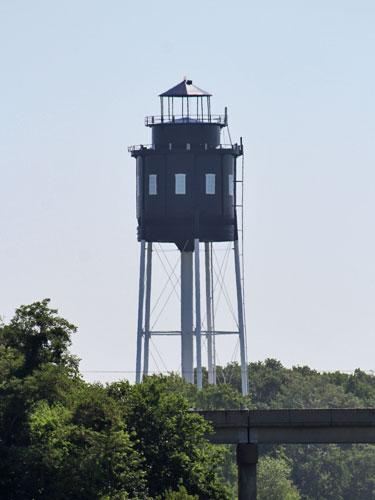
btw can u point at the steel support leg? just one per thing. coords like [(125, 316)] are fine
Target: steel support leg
[(247, 459), (198, 314), (187, 367), (147, 308), (240, 319), (140, 312), (209, 309)]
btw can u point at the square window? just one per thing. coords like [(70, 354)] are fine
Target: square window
[(180, 183), (152, 184), (210, 183), (230, 185)]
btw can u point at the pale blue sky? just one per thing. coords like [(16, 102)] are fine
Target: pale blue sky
[(298, 77)]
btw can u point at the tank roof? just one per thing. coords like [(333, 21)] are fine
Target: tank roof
[(185, 89)]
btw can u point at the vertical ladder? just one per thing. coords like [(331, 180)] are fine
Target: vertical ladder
[(240, 221)]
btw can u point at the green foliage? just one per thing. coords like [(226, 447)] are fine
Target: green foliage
[(318, 472), (37, 336), (83, 457), (363, 386), (59, 437), (63, 438), (170, 439), (274, 480), (227, 470), (220, 397), (211, 397), (300, 391), (181, 494), (333, 472)]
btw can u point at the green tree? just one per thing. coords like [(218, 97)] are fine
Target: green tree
[(315, 469), (266, 380), (171, 439), (38, 335), (59, 437), (221, 397), (84, 451), (274, 480), (312, 391), (362, 385), (35, 363), (181, 494), (63, 438)]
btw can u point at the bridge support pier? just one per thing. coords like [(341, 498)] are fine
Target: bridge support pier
[(247, 459)]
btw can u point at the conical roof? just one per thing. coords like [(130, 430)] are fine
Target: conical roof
[(184, 89)]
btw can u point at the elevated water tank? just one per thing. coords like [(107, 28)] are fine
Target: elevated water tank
[(186, 185)]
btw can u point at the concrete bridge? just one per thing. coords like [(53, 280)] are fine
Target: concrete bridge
[(249, 428)]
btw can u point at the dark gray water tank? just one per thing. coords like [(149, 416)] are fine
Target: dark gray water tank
[(186, 186)]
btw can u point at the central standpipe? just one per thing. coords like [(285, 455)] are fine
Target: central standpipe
[(198, 314), (187, 366)]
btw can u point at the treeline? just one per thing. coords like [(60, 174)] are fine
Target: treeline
[(310, 472), (63, 438)]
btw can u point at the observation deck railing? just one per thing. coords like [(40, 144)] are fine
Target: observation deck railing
[(216, 119), (237, 148)]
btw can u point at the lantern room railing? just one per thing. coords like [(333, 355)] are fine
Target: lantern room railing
[(216, 119)]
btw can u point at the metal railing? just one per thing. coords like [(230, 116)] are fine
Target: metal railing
[(140, 147), (154, 120), (150, 147)]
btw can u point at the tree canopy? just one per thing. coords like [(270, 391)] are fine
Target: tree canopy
[(61, 437)]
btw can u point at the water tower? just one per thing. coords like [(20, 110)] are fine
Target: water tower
[(186, 195)]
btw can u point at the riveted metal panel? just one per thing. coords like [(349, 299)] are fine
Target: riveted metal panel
[(180, 134)]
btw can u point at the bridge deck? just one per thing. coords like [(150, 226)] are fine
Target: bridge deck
[(292, 426)]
